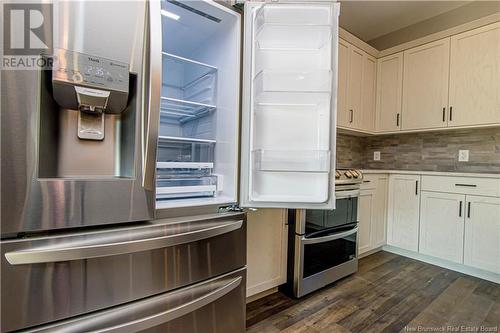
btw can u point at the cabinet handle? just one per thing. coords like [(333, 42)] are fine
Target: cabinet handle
[(465, 185), (351, 116), (460, 209), (416, 187), (468, 210), (397, 120), (444, 115), (451, 113)]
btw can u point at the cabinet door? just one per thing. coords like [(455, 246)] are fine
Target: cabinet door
[(482, 233), (403, 211), (442, 225), (475, 77), (354, 86), (425, 85), (366, 215), (389, 92), (379, 227), (289, 105), (368, 98), (343, 115), (267, 233)]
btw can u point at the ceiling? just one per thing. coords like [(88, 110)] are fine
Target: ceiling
[(378, 22)]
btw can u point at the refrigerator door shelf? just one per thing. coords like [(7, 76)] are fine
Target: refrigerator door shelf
[(315, 161), (294, 37), (293, 81), (295, 14)]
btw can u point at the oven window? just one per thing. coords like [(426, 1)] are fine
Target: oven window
[(346, 212), (322, 256)]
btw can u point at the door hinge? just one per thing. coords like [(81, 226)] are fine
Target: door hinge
[(230, 208)]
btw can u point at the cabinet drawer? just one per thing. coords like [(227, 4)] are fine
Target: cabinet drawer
[(369, 181), (463, 185)]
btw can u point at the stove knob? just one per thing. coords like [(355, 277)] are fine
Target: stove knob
[(348, 174), (337, 174), (355, 173)]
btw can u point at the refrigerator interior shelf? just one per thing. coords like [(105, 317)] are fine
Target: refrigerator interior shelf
[(186, 187), (317, 161), (188, 80), (192, 70), (271, 36), (181, 111), (169, 139), (184, 165), (292, 81)]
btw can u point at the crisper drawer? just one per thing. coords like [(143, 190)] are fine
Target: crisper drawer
[(214, 306), (463, 185), (63, 275)]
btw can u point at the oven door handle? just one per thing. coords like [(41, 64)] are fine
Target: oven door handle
[(307, 241), (77, 250), (347, 194)]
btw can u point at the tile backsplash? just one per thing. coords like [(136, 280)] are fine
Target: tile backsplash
[(430, 151)]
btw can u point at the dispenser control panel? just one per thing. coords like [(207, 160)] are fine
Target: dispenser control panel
[(89, 70)]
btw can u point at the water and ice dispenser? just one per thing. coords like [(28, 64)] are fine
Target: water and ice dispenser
[(87, 120)]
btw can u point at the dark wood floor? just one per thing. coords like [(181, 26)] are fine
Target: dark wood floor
[(389, 293)]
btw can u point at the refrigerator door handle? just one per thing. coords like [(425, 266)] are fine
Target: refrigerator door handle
[(153, 311), (110, 245), (152, 69)]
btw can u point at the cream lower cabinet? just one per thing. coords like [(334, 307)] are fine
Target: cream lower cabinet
[(267, 233), (442, 225), (403, 211), (482, 233), (372, 210)]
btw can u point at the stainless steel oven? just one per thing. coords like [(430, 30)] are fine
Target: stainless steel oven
[(323, 243)]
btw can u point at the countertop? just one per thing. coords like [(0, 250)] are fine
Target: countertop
[(433, 173)]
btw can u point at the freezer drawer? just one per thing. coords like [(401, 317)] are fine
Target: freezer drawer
[(214, 306), (51, 278)]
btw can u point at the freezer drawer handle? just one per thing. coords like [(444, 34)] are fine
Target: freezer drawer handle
[(94, 323), (328, 238), (78, 251)]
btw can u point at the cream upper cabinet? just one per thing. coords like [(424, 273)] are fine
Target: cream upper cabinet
[(482, 233), (368, 98), (403, 211), (389, 93), (425, 86), (442, 225), (355, 86), (343, 116), (475, 77)]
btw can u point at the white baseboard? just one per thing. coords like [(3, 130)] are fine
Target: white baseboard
[(444, 263)]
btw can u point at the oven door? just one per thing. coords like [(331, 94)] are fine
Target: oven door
[(324, 258), (345, 214)]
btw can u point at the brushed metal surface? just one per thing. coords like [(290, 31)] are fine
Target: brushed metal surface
[(31, 203), (213, 306), (35, 294)]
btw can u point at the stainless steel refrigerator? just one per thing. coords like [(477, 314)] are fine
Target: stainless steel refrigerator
[(126, 165)]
